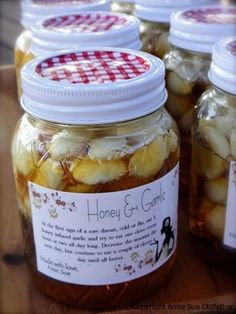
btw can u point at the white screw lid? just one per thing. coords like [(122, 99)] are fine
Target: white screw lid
[(160, 10), (198, 29), (99, 85), (223, 66), (85, 29), (34, 10)]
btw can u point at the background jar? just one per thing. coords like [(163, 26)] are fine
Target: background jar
[(192, 34), (86, 29), (123, 6), (155, 16), (97, 151), (213, 190), (34, 10)]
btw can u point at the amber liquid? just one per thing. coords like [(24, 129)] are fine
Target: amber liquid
[(185, 132), (94, 296), (209, 245)]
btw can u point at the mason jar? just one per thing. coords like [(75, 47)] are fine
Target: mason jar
[(192, 34), (34, 10), (155, 17), (95, 160), (123, 6), (213, 191)]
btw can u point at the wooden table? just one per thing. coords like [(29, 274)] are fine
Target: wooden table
[(192, 285)]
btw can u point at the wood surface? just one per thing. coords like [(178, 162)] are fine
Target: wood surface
[(191, 283)]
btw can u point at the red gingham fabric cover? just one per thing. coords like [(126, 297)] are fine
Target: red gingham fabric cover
[(93, 67), (85, 22)]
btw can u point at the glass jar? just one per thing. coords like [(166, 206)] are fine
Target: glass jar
[(213, 190), (123, 6), (95, 159), (155, 16), (35, 10), (86, 29), (192, 34)]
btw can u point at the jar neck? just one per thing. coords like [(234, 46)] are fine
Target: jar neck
[(219, 93)]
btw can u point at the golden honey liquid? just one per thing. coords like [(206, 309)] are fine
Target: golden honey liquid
[(208, 233), (81, 295), (184, 119)]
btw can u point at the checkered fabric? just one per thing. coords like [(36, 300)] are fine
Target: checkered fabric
[(218, 15), (93, 67), (83, 23), (63, 2), (232, 47)]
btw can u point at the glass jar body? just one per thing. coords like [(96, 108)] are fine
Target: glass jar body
[(213, 157), (92, 160), (122, 7), (154, 37), (23, 54), (186, 80)]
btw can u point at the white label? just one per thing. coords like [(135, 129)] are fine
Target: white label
[(230, 214), (105, 238)]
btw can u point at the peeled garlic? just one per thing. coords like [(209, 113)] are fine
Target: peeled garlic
[(215, 221), (232, 141), (24, 162), (216, 190), (206, 122), (177, 105), (64, 144), (93, 172), (225, 124), (50, 174), (148, 160), (177, 85), (173, 141), (106, 148), (208, 163), (162, 45), (216, 141)]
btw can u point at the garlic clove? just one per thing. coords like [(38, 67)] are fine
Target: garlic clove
[(215, 221), (148, 160), (107, 148), (177, 85), (216, 190), (93, 172), (217, 142)]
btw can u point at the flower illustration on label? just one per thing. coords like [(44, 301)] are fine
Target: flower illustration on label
[(52, 200)]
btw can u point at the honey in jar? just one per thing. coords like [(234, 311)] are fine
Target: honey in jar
[(213, 172), (155, 21), (35, 10), (192, 34), (95, 160)]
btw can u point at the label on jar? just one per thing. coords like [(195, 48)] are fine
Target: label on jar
[(230, 215), (105, 238)]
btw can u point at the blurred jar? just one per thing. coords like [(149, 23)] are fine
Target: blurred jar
[(123, 6), (213, 174), (155, 16), (85, 29), (34, 10), (192, 34), (95, 159)]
